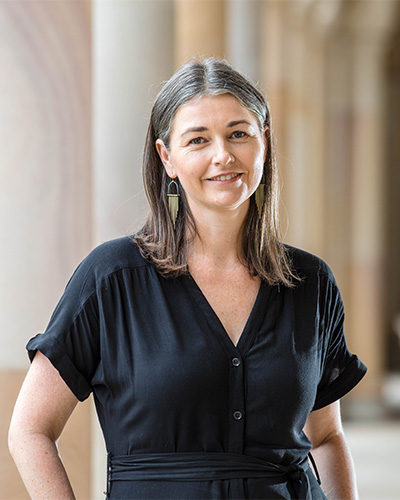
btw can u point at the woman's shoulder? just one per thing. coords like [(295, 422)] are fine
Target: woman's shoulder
[(116, 254), (105, 260), (306, 264)]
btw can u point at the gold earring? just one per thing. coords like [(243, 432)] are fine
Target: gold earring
[(259, 198), (173, 201)]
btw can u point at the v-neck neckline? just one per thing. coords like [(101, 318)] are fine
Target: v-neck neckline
[(251, 326)]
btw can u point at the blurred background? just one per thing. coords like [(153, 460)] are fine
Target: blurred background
[(77, 83)]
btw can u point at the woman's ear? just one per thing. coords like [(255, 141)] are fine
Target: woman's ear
[(165, 158)]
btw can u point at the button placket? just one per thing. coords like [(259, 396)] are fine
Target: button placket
[(237, 410)]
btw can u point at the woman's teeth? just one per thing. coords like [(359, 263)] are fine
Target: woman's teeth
[(224, 177)]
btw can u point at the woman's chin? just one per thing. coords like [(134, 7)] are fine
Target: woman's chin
[(230, 203)]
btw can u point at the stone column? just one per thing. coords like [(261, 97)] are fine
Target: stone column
[(242, 28), (338, 158), (318, 188), (272, 19), (199, 29), (284, 59), (45, 193), (132, 53)]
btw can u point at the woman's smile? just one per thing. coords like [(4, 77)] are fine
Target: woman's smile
[(226, 178)]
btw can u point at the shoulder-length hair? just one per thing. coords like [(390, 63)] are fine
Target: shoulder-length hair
[(158, 241)]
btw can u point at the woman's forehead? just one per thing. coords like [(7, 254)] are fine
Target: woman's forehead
[(212, 108)]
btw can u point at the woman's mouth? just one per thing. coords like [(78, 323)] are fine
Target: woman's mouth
[(227, 177)]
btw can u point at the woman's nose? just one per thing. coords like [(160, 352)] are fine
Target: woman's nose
[(222, 155)]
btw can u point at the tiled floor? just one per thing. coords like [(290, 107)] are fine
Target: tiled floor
[(376, 451)]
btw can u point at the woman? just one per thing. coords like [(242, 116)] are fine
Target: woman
[(216, 355)]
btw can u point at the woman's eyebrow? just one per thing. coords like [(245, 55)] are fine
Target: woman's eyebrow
[(194, 129), (238, 122)]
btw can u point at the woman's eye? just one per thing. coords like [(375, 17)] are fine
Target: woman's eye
[(196, 141), (238, 134)]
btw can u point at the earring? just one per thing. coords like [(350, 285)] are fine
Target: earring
[(259, 198), (173, 201)]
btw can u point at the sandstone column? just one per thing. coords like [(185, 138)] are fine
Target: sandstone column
[(199, 29), (132, 54), (242, 27)]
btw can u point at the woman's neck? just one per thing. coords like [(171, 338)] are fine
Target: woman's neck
[(218, 239)]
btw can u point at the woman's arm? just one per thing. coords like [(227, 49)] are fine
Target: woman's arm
[(331, 453), (42, 409)]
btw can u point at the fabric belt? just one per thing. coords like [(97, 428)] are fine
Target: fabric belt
[(205, 467)]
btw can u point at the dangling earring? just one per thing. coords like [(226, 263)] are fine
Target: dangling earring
[(173, 201), (259, 198)]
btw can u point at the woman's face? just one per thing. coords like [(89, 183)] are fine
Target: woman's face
[(217, 151)]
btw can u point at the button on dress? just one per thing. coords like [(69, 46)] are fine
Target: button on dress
[(185, 413)]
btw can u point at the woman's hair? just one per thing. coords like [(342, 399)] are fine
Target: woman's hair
[(166, 247)]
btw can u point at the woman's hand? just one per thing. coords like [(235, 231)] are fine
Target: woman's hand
[(42, 409), (331, 453)]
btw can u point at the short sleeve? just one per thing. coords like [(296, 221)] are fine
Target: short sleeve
[(341, 370), (71, 339)]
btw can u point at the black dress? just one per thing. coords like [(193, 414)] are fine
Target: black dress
[(186, 414)]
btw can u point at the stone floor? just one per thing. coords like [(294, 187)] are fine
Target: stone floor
[(375, 447)]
